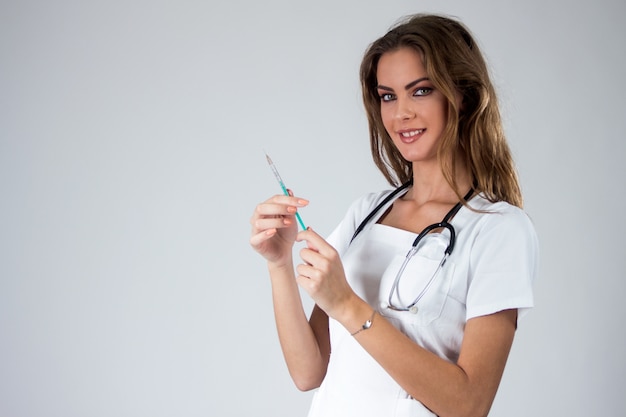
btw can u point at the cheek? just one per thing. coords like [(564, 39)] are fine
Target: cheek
[(441, 113)]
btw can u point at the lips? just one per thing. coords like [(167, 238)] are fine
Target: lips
[(409, 136)]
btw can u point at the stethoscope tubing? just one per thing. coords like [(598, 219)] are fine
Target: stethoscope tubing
[(409, 255), (414, 247)]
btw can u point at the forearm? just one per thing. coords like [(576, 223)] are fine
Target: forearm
[(300, 345), (465, 388), (440, 385)]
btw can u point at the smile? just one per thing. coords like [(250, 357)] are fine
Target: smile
[(412, 133)]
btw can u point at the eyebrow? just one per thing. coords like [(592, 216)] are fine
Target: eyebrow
[(406, 87)]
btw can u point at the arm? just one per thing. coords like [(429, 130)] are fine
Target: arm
[(305, 345), (466, 388)]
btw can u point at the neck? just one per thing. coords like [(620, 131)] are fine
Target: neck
[(429, 183)]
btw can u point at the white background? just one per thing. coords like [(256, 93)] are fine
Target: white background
[(131, 157)]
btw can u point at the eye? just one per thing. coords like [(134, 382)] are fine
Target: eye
[(385, 97), (422, 91)]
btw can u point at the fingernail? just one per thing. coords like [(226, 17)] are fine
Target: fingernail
[(303, 202), (291, 209)]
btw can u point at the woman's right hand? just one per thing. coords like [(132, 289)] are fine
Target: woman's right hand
[(274, 227)]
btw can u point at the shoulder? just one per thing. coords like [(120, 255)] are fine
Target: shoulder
[(500, 215), (501, 231)]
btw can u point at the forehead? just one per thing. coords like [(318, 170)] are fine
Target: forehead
[(400, 65)]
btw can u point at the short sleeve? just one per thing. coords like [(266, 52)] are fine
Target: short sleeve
[(503, 264)]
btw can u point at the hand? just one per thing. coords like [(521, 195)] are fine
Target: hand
[(274, 227), (322, 275)]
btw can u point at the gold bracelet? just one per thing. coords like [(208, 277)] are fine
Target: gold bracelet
[(366, 325)]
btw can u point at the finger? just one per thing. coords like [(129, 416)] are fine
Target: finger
[(314, 258), (288, 199), (272, 209), (309, 285), (308, 271), (272, 223), (276, 209), (309, 279), (257, 239), (315, 242)]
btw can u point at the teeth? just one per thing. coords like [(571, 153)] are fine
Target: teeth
[(412, 133)]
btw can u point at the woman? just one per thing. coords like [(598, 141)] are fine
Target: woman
[(429, 332)]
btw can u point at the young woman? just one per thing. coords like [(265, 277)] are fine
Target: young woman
[(417, 291)]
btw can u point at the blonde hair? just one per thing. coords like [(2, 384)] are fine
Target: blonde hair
[(455, 66)]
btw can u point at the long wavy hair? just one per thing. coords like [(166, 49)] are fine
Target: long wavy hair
[(454, 64)]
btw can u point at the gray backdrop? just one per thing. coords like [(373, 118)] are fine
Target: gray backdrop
[(131, 157)]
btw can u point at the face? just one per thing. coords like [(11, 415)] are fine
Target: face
[(413, 112)]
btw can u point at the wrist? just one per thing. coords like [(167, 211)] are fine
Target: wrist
[(366, 324), (280, 270), (356, 316), (280, 264)]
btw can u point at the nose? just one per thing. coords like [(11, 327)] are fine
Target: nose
[(404, 109)]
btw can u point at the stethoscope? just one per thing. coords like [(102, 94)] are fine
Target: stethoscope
[(444, 223)]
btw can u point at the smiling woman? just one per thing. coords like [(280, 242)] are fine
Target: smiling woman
[(131, 157), (426, 332), (443, 51)]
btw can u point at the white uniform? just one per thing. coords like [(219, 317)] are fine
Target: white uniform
[(490, 269)]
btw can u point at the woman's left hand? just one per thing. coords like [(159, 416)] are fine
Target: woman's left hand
[(322, 275)]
